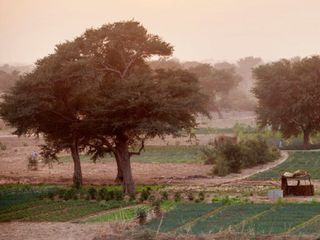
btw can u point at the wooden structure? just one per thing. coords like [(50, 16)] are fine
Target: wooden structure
[(301, 186)]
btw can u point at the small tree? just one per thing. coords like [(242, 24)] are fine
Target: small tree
[(288, 96)]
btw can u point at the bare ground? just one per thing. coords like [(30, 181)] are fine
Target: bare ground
[(54, 231), (13, 169)]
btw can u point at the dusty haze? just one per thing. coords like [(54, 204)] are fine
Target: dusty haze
[(199, 29)]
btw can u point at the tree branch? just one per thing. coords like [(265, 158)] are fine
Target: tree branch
[(138, 54), (140, 149), (60, 115), (113, 70), (107, 143)]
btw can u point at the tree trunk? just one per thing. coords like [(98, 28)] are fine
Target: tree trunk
[(306, 139), (123, 156), (77, 173), (119, 178)]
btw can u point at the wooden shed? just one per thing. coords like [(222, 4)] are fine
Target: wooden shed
[(297, 184)]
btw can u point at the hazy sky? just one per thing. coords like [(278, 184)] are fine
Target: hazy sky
[(198, 29)]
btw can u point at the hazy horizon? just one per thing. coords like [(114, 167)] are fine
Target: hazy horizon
[(199, 30)]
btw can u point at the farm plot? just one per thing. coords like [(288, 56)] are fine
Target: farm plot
[(15, 197), (308, 161), (182, 214), (118, 215), (58, 211), (157, 154), (229, 216), (244, 217), (310, 228), (283, 218)]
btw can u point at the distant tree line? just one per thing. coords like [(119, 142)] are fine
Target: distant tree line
[(9, 75), (227, 85)]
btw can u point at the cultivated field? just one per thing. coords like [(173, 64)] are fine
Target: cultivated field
[(289, 218), (37, 202)]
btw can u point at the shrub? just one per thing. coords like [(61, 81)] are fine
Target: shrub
[(221, 167), (190, 196), (70, 194), (152, 198), (157, 208), (209, 154), (177, 197), (144, 195), (110, 195), (201, 196), (230, 158), (61, 193), (103, 194), (164, 196), (51, 195), (132, 197), (141, 215), (92, 193), (118, 195)]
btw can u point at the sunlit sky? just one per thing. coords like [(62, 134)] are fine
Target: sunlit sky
[(198, 29)]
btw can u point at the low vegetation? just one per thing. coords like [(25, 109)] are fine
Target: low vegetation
[(231, 158), (157, 154), (202, 218)]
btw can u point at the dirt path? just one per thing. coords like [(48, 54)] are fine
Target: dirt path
[(232, 178)]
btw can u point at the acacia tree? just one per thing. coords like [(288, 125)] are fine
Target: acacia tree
[(134, 102), (115, 50), (288, 96), (50, 101), (142, 106)]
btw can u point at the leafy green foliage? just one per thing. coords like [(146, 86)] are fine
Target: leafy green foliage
[(288, 99), (177, 196), (93, 193), (231, 158)]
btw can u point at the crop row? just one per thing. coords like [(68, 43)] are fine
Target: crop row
[(245, 217)]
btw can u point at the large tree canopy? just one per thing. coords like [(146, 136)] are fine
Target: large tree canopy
[(51, 101), (98, 94), (288, 96)]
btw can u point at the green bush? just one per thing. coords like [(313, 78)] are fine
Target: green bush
[(118, 195), (228, 160), (70, 194), (177, 197), (190, 196), (201, 196), (103, 194), (141, 215), (164, 196), (92, 193), (144, 195), (231, 158)]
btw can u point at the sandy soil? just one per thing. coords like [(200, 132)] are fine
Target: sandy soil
[(13, 169), (54, 231)]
